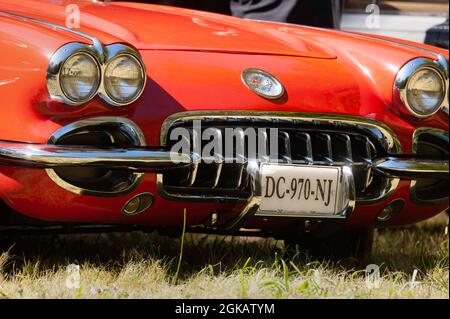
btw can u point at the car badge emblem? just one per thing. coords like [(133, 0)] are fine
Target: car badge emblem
[(263, 83)]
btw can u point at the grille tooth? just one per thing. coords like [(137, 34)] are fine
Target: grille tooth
[(241, 162), (343, 148), (240, 175), (214, 161), (236, 178), (239, 154), (364, 149), (183, 176), (218, 158), (196, 163), (303, 147), (232, 175), (208, 174), (368, 150), (219, 167), (194, 172), (323, 150), (365, 155), (263, 145), (285, 147)]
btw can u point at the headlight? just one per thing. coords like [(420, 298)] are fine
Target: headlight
[(79, 77), (124, 79), (77, 72), (421, 87), (425, 92)]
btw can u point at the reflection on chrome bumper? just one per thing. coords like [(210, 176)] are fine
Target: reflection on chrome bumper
[(54, 156), (413, 168)]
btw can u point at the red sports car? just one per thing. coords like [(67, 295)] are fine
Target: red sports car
[(122, 116)]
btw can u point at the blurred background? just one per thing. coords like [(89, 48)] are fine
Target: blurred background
[(415, 20)]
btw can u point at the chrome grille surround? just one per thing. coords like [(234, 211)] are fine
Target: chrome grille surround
[(373, 130)]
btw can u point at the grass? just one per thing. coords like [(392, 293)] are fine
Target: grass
[(138, 265)]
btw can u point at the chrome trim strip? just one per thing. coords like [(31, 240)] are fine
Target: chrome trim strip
[(439, 56), (95, 42), (383, 133)]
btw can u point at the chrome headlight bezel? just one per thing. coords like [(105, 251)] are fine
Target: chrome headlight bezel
[(408, 71), (114, 51), (55, 66), (102, 57)]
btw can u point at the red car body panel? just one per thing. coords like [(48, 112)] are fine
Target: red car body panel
[(194, 62)]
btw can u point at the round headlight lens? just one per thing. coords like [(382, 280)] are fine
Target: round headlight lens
[(425, 92), (124, 79), (80, 77)]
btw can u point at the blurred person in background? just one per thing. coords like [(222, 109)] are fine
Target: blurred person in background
[(414, 20), (319, 13)]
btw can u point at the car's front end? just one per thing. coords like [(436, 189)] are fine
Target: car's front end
[(92, 120)]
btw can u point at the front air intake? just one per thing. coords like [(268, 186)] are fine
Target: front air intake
[(433, 144), (104, 132)]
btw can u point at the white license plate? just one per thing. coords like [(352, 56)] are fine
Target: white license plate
[(300, 190)]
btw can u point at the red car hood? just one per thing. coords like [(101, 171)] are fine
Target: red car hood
[(167, 28)]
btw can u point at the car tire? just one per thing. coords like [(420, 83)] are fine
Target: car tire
[(349, 243)]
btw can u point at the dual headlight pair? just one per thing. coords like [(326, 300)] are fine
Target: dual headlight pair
[(422, 86), (78, 72)]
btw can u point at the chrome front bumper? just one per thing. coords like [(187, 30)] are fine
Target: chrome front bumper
[(147, 160), (141, 160), (55, 156)]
